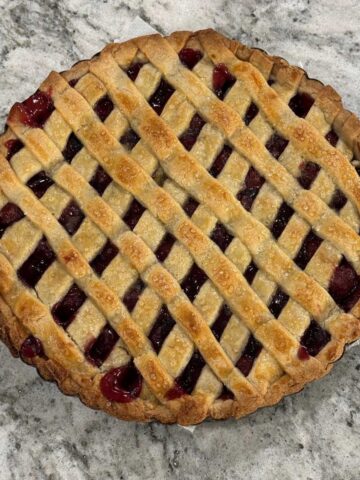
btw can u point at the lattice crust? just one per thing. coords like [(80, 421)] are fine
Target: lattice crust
[(179, 226)]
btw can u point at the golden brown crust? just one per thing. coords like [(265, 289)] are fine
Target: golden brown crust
[(284, 373)]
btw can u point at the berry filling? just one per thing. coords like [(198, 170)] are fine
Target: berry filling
[(221, 321), (222, 80), (226, 394), (122, 384), (253, 183), (308, 248), (161, 95), (73, 82), (39, 183), (250, 272), (220, 161), (71, 217), (249, 355), (191, 373), (344, 285), (188, 138), (193, 281), (281, 220), (175, 392), (314, 339), (33, 111), (276, 145), (308, 172), (13, 146), (251, 113), (103, 107), (129, 139), (64, 311), (164, 247), (31, 347), (132, 216), (39, 261), (133, 70), (73, 146), (278, 302), (9, 214), (104, 257), (190, 57), (100, 180), (338, 200), (98, 350), (190, 206), (132, 295), (161, 328), (301, 103), (221, 236), (332, 138)]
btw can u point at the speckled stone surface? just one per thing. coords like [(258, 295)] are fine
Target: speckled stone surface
[(45, 435)]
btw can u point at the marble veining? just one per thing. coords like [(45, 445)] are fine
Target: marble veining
[(45, 435)]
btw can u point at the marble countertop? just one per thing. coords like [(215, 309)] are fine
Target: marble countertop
[(45, 435)]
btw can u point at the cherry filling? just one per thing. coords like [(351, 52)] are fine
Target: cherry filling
[(314, 339), (161, 328), (64, 311), (73, 146), (129, 139), (9, 214), (132, 216), (103, 107), (191, 373), (188, 138), (33, 111), (193, 281), (122, 384), (221, 321), (175, 392), (39, 183), (31, 347), (164, 247), (253, 183), (100, 180), (104, 257), (190, 206), (332, 138), (222, 80), (190, 57), (250, 272), (221, 236), (278, 302), (276, 145), (251, 113), (308, 172), (13, 146), (308, 248), (249, 355), (281, 220), (98, 350), (301, 103), (39, 261), (132, 295), (338, 200), (161, 95), (133, 70), (344, 285), (220, 161), (71, 217), (73, 82), (226, 394)]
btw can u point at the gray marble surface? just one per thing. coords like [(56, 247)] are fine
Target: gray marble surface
[(45, 435)]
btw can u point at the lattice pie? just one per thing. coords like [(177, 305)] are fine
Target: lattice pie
[(179, 225)]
